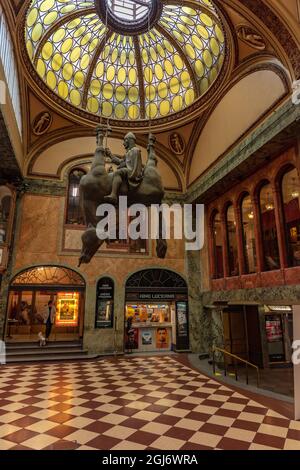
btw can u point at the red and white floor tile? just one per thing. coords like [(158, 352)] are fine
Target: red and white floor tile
[(153, 403)]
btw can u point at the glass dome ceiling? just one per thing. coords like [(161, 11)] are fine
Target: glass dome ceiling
[(126, 59)]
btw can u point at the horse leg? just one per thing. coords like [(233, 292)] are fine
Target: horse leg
[(90, 245), (89, 209), (161, 248)]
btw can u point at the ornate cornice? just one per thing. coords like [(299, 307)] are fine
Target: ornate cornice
[(44, 187), (274, 24), (259, 295)]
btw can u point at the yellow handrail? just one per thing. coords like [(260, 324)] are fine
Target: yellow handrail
[(234, 356)]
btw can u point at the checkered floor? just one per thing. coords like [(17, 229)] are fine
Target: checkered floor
[(136, 403)]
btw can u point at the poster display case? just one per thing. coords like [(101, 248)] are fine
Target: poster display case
[(67, 309), (105, 303), (275, 339)]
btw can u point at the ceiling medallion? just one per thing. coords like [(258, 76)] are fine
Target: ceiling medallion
[(176, 143), (42, 123), (130, 17)]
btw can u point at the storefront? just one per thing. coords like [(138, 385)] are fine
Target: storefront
[(156, 312), (261, 334), (29, 297), (279, 333)]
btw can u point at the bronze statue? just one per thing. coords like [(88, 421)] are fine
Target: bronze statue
[(140, 184), (130, 169)]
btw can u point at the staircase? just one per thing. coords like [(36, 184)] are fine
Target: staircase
[(54, 351)]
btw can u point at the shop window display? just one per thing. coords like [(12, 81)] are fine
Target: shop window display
[(218, 247), (290, 190), (249, 242), (149, 326), (30, 293), (232, 242), (268, 228)]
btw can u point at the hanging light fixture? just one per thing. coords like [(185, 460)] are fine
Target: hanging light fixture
[(251, 215), (295, 191), (269, 205)]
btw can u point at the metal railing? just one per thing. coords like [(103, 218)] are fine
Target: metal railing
[(236, 359)]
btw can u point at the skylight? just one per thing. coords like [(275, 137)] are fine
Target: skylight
[(131, 10)]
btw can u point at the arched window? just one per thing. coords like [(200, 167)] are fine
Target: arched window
[(74, 213), (290, 191), (217, 247), (268, 228), (249, 243), (233, 262)]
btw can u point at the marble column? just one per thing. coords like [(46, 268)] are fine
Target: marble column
[(258, 236), (225, 245), (280, 227), (196, 313), (106, 340), (239, 236), (296, 355)]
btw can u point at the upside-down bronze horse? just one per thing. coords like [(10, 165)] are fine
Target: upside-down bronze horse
[(141, 184)]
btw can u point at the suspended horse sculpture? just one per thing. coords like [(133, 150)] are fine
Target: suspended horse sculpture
[(141, 184)]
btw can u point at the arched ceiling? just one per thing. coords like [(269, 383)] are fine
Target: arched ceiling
[(101, 59), (258, 35)]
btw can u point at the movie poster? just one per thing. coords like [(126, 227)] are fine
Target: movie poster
[(147, 338), (273, 328), (162, 338), (132, 339), (67, 309)]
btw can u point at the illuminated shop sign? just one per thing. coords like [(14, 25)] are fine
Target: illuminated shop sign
[(155, 296), (280, 308)]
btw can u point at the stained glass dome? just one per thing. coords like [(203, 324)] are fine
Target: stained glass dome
[(126, 59)]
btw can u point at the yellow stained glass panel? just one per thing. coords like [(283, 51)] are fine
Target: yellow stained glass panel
[(120, 111), (65, 37), (133, 112), (93, 105), (75, 97), (107, 109), (51, 80)]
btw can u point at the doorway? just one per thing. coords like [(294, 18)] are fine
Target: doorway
[(242, 336), (156, 312), (29, 296)]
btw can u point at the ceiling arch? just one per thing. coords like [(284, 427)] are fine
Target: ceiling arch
[(252, 97), (51, 162)]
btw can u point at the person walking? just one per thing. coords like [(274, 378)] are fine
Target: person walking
[(50, 314)]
